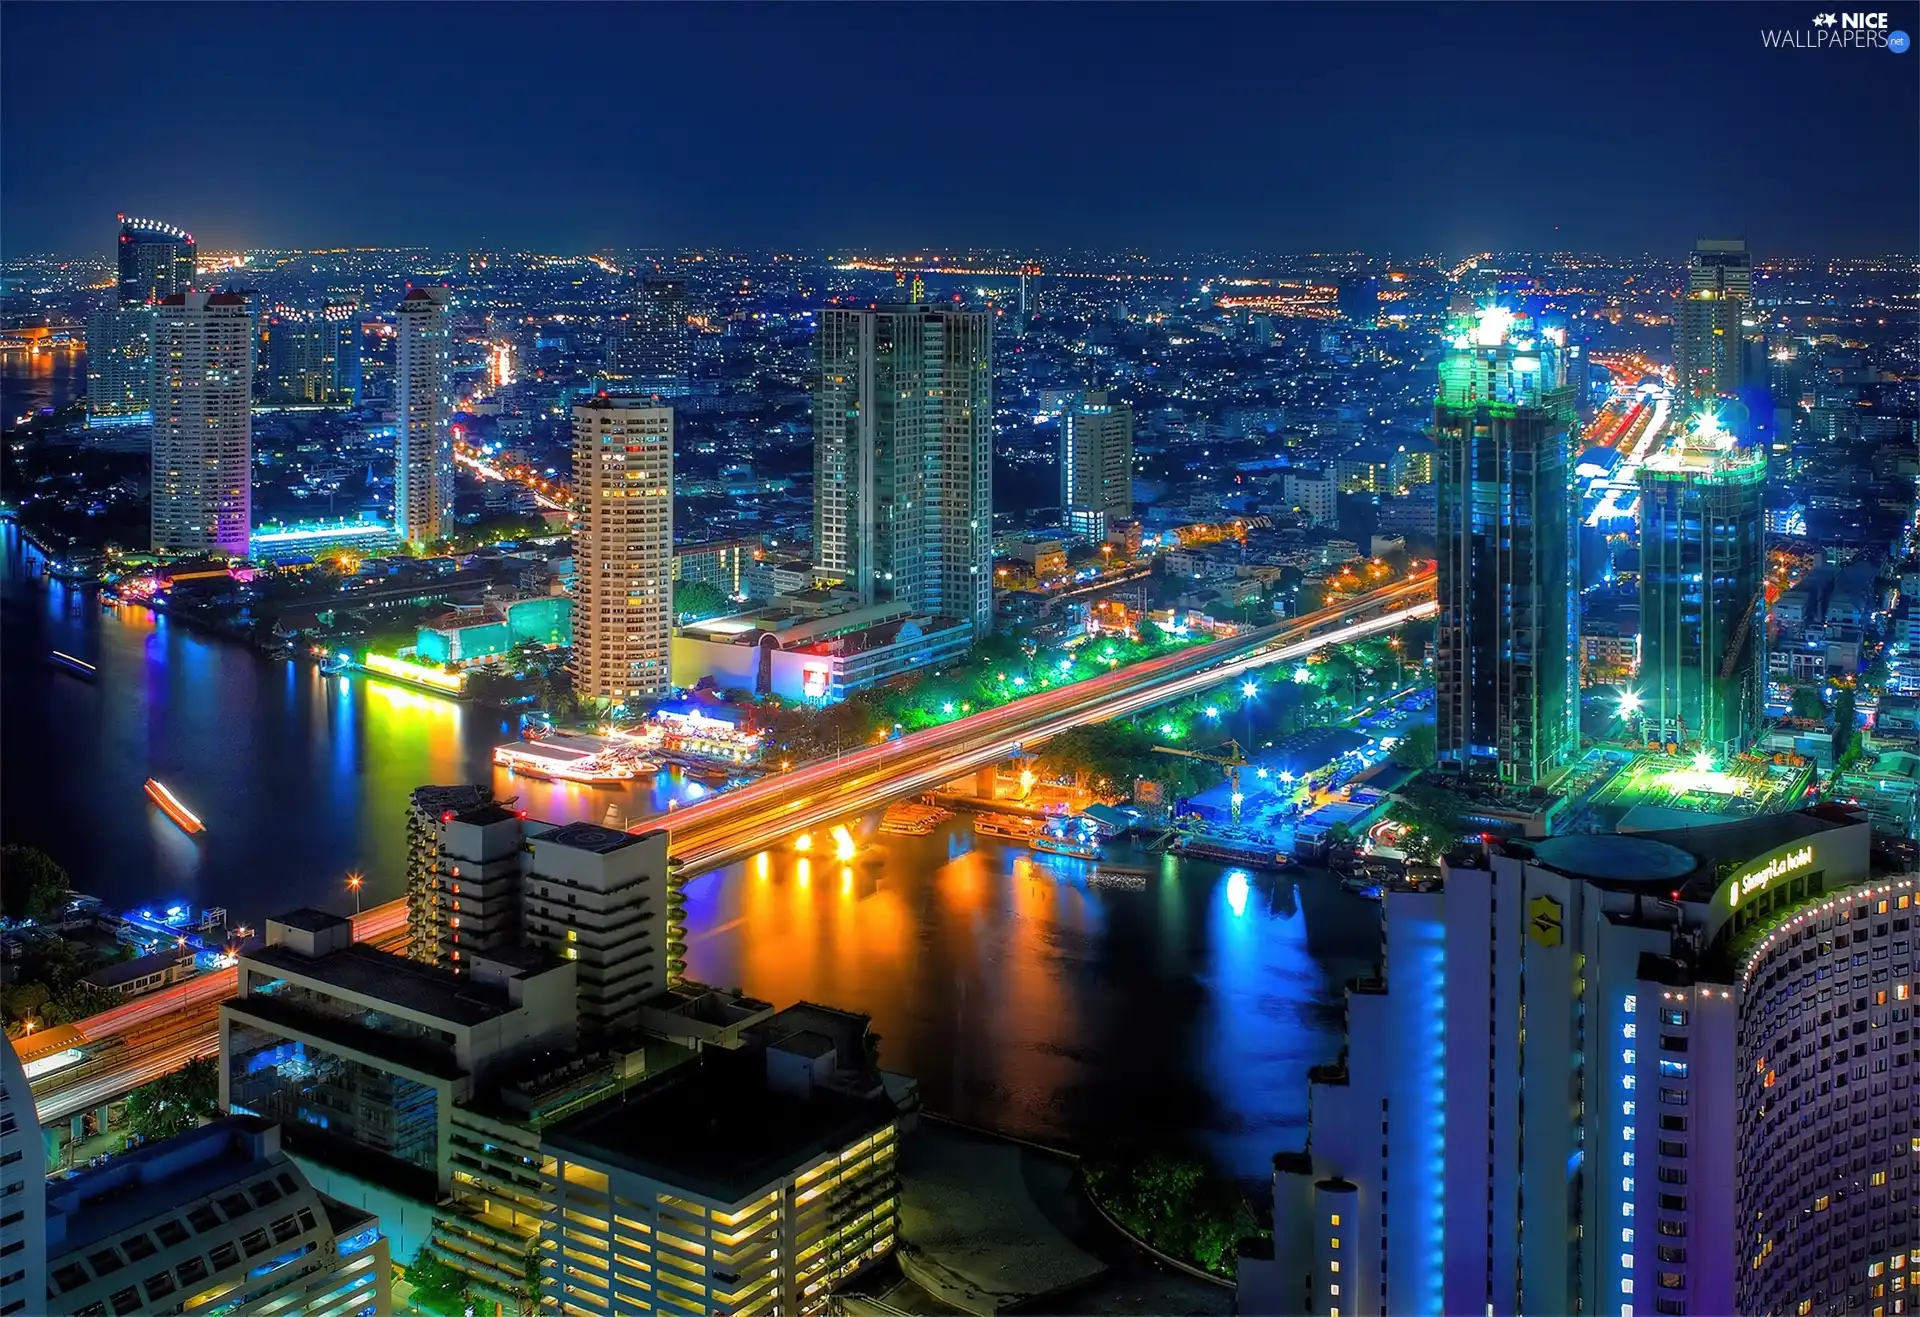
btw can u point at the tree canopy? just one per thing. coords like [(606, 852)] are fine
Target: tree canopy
[(32, 885)]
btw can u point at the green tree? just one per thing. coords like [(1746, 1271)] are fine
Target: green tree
[(693, 600), (1843, 722), (32, 885), (1432, 817), (177, 1102), (1808, 704), (437, 1287), (1176, 1205), (1417, 749)]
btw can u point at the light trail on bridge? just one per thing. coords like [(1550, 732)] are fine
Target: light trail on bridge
[(741, 823)]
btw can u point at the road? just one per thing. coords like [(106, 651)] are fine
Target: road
[(124, 1052), (740, 823)]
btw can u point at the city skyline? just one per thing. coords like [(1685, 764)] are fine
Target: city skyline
[(1260, 162)]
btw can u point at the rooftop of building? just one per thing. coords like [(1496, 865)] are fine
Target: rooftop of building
[(160, 1178), (591, 837), (362, 972), (717, 1128), (308, 920), (127, 971)]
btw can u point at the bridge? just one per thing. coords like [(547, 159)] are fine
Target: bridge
[(133, 1044), (735, 825)]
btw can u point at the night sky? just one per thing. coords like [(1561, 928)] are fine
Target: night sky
[(1285, 127)]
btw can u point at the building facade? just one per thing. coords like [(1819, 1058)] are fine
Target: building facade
[(903, 456), (623, 550), (202, 396), (1634, 1074), (360, 1055), (1504, 672), (313, 355), (23, 1198), (654, 355), (796, 1191), (156, 261), (119, 365), (1703, 629), (1709, 340), (1096, 465), (217, 1219), (423, 444)]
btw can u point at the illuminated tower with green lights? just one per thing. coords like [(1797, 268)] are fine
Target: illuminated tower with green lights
[(1504, 671), (1702, 588)]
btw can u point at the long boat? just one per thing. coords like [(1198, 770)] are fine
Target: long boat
[(77, 666), (170, 806)]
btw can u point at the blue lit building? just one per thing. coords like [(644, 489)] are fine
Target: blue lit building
[(217, 1220), (1617, 1074)]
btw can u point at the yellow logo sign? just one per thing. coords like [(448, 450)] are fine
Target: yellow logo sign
[(1543, 921)]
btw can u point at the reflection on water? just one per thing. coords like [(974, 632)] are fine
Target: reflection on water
[(1021, 995), (1023, 998)]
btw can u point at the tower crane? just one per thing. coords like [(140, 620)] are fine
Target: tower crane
[(1233, 761)]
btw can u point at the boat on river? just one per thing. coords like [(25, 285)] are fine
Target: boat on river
[(79, 667), (1010, 826), (590, 761), (170, 805)]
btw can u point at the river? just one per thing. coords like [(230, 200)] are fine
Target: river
[(1022, 998)]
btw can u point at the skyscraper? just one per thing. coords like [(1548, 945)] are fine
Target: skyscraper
[(1702, 588), (156, 261), (119, 365), (1096, 465), (313, 355), (623, 549), (1619, 1074), (1708, 344), (422, 445), (654, 355), (202, 394), (1504, 671), (903, 456)]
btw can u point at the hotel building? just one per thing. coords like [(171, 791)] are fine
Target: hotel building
[(1635, 1074)]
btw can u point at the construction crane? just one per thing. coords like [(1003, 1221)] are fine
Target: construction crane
[(1233, 761)]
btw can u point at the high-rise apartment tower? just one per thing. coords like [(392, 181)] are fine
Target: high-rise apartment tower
[(202, 391), (623, 549), (422, 444), (903, 456)]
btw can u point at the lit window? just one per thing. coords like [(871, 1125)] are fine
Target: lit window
[(1626, 1261), (1626, 1285), (1334, 1290), (1334, 1220), (1336, 1241), (1879, 1178), (1626, 1234), (572, 936), (1335, 1265)]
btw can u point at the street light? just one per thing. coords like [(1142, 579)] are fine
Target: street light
[(354, 880)]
